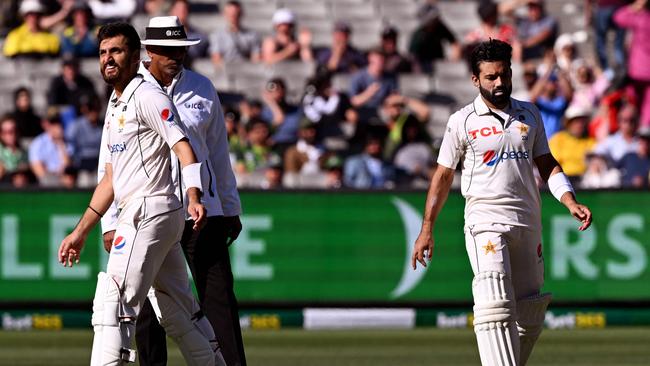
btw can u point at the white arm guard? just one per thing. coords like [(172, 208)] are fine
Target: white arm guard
[(192, 176), (559, 184)]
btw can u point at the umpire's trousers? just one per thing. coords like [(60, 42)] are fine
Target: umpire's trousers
[(209, 261)]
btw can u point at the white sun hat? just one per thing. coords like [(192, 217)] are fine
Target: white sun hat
[(283, 16), (167, 31), (31, 6)]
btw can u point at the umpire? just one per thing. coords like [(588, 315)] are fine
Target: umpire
[(207, 254)]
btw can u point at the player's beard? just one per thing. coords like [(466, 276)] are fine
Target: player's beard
[(111, 79), (500, 100)]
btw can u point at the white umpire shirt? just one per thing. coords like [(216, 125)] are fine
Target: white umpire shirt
[(141, 127), (497, 149), (200, 111)]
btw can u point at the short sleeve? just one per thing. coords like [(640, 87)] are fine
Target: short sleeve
[(452, 147), (540, 144), (157, 111)]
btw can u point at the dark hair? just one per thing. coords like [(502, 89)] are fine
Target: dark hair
[(489, 51), (115, 29), (20, 90), (487, 10), (234, 3)]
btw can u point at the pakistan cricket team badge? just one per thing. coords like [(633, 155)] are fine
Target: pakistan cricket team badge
[(120, 123), (523, 130)]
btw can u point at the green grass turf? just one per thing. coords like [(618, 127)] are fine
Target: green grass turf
[(422, 346)]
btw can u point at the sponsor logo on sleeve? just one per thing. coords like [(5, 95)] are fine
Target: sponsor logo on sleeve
[(168, 116), (119, 242)]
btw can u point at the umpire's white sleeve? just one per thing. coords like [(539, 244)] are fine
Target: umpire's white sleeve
[(109, 220), (220, 157)]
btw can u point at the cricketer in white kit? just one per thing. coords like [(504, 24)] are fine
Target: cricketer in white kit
[(142, 126), (497, 139)]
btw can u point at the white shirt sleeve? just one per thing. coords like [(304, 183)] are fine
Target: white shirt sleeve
[(158, 112), (453, 146), (220, 158), (540, 145), (109, 220)]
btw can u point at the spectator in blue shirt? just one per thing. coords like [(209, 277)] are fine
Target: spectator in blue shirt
[(635, 167), (85, 135), (370, 86), (341, 57), (551, 94), (283, 116), (79, 39), (48, 154), (368, 169)]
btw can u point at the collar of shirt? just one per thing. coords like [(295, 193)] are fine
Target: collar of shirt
[(127, 93), (148, 76)]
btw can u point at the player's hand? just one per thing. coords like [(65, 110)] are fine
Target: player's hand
[(108, 240), (233, 228), (197, 212), (70, 249), (423, 250), (582, 214)]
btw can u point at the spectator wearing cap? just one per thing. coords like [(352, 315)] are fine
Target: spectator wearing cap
[(570, 146), (599, 173), (491, 28), (181, 9), (636, 18), (394, 63), (536, 31), (79, 38), (341, 56), (333, 167), (635, 166), (29, 39), (234, 43), (625, 140), (426, 45), (13, 159), (29, 123), (369, 169), (600, 14), (283, 45), (551, 94), (67, 88), (371, 85), (303, 158), (49, 155), (283, 115)]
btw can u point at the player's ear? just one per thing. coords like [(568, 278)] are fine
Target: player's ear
[(475, 81)]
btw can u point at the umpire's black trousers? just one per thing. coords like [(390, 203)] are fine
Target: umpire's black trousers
[(209, 261)]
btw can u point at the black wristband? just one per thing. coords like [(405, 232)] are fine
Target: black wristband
[(95, 211)]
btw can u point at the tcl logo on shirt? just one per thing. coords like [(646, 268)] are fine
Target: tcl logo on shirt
[(491, 158), (485, 132)]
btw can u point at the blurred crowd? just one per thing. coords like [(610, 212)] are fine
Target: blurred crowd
[(596, 109)]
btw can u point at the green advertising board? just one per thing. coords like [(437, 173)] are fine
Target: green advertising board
[(338, 247)]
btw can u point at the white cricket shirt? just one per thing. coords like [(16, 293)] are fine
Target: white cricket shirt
[(202, 120), (141, 127), (497, 149)]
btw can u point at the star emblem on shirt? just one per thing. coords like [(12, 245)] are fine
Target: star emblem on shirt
[(120, 122), (490, 248), (523, 128)]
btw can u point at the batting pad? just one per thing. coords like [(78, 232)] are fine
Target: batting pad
[(530, 321), (194, 345), (113, 334), (494, 319)]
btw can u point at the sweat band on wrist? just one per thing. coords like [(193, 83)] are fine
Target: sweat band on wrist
[(192, 176), (559, 184)]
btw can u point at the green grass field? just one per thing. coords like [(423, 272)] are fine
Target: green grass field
[(422, 346)]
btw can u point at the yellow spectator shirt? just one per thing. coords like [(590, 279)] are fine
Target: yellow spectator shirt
[(21, 41), (571, 151)]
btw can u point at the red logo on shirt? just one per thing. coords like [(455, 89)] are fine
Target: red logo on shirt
[(485, 132), (167, 115)]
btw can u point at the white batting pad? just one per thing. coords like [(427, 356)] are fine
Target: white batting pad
[(530, 321), (494, 319)]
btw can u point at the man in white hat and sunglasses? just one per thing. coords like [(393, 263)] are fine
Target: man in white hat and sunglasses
[(201, 116)]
